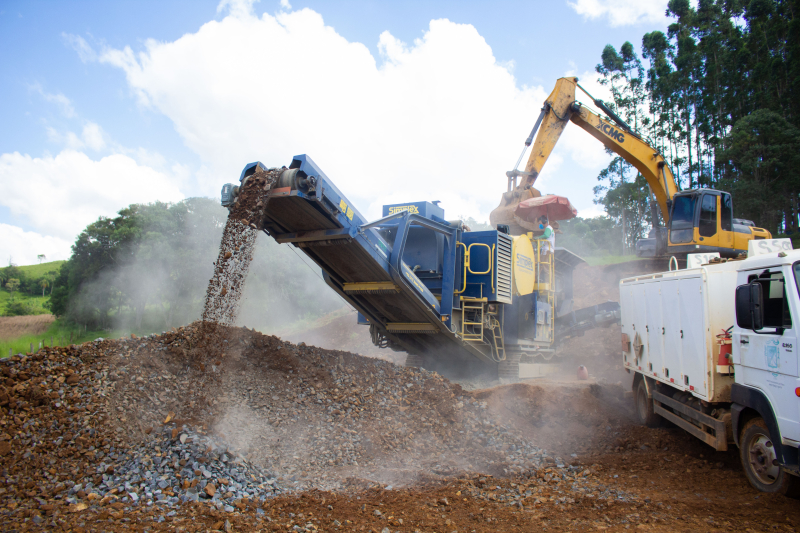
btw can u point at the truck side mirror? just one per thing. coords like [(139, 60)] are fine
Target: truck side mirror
[(750, 306)]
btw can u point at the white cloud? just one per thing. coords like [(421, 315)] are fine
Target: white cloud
[(581, 147), (59, 99), (438, 119), (79, 44), (61, 195), (92, 137), (622, 12), (23, 246), (238, 8), (285, 4), (592, 212)]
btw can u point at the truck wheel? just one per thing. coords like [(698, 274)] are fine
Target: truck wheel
[(760, 462), (644, 407)]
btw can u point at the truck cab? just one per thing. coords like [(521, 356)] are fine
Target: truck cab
[(765, 356)]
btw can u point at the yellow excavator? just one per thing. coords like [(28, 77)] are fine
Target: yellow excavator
[(695, 221)]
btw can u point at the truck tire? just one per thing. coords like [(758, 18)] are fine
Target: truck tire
[(644, 407), (759, 461)]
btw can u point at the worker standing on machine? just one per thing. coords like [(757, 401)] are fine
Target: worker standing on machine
[(547, 247), (549, 236)]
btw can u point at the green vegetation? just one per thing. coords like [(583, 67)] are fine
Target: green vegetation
[(25, 290), (34, 305), (590, 237), (148, 268), (40, 270), (717, 95), (60, 332)]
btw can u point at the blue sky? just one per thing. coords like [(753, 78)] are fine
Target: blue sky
[(109, 103)]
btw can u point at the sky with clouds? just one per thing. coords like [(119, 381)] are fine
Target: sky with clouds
[(108, 104)]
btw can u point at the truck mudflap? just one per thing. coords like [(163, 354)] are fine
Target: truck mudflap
[(712, 431), (745, 398)]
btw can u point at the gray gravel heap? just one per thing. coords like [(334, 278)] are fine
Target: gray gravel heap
[(190, 467)]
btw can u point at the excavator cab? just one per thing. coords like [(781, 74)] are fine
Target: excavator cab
[(701, 221)]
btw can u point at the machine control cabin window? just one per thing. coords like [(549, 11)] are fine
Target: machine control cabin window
[(726, 212), (708, 215), (682, 221)]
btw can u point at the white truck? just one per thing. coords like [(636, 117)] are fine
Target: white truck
[(714, 350)]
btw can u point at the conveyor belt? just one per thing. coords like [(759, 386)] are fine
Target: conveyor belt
[(362, 266)]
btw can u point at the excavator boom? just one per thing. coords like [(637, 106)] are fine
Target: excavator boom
[(561, 107)]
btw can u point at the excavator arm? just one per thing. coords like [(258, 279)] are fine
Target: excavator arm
[(561, 107)]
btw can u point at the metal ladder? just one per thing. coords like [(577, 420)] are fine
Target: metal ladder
[(497, 335), (473, 307)]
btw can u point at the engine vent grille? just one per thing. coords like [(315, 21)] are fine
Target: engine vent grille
[(503, 263)]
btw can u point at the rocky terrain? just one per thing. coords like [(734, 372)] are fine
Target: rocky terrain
[(217, 428)]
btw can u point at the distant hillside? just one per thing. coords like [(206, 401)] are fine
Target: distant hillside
[(37, 271)]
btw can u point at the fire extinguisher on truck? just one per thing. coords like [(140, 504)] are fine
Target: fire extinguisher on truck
[(713, 349)]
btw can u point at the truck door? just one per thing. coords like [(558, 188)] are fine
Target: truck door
[(767, 359)]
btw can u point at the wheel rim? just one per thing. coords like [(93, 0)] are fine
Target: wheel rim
[(763, 461)]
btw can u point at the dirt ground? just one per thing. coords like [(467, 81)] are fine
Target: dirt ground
[(556, 454), (12, 327)]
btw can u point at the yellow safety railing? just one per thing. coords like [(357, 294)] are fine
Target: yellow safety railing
[(467, 267), (488, 251), (464, 276)]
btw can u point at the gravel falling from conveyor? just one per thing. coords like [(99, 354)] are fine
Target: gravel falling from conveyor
[(233, 263), (236, 248)]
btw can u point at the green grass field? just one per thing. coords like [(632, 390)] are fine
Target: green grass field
[(36, 303), (59, 333), (37, 271)]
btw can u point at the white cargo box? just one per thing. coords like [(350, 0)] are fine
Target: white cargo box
[(670, 329)]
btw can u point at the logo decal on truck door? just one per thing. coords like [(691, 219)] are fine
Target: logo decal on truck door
[(773, 358)]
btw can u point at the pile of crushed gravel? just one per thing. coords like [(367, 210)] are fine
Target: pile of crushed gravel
[(231, 417)]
